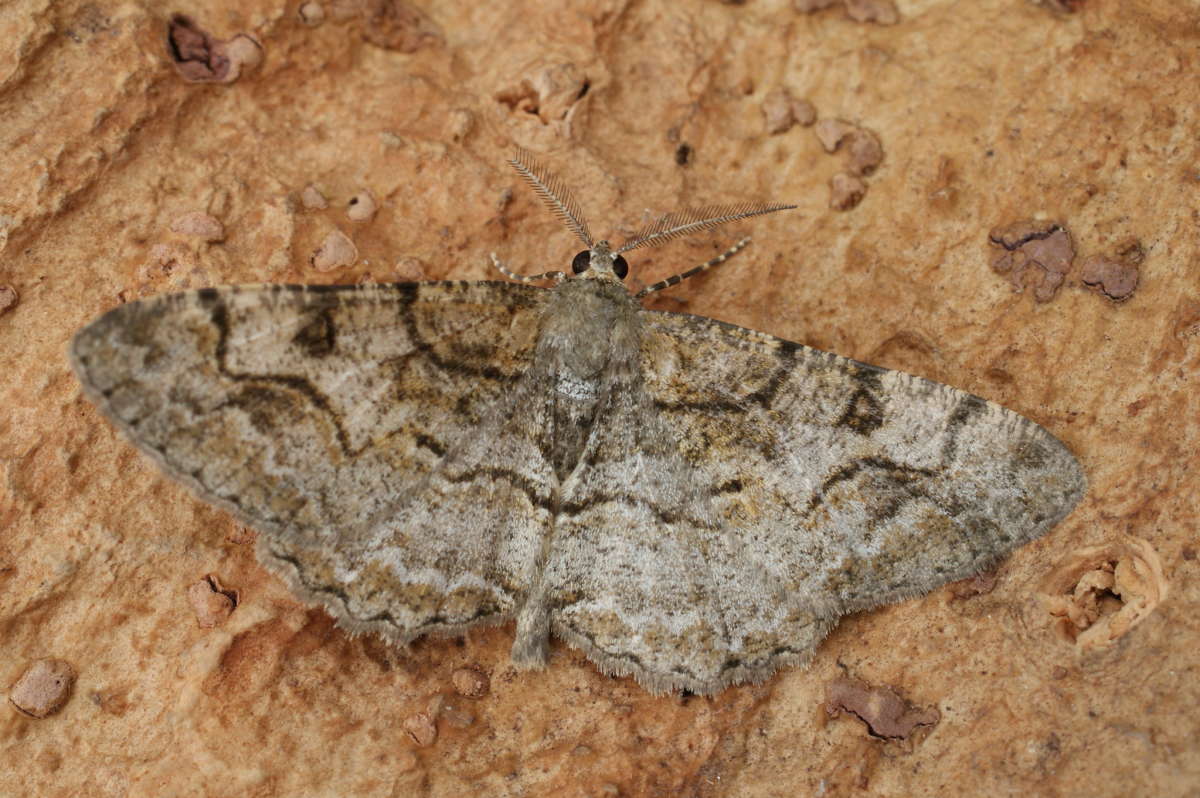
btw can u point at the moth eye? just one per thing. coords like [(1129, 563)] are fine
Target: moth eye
[(620, 267), (582, 262)]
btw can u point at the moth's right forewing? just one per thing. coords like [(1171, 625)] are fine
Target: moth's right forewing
[(858, 486)]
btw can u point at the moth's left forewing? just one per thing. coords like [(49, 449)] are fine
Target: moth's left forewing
[(325, 418), (858, 486)]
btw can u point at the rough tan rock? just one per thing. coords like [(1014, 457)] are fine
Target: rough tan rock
[(43, 688), (781, 111), (211, 602), (846, 191), (471, 682), (199, 225), (361, 207), (988, 112), (335, 252)]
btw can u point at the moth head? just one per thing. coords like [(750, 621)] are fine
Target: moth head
[(599, 262)]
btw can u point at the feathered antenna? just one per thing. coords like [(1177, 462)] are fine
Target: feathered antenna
[(686, 222), (553, 192)]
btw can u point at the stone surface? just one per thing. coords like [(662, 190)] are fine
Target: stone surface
[(43, 688), (104, 146), (199, 225), (846, 191), (471, 682), (781, 111)]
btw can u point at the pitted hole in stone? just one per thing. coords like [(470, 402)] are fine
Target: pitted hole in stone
[(1102, 592)]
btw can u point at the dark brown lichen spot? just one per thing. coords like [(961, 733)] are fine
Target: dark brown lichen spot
[(884, 711), (192, 50), (200, 57), (399, 26), (1037, 253), (1114, 277)]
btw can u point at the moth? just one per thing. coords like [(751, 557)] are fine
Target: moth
[(685, 501)]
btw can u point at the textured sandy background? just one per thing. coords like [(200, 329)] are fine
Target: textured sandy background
[(989, 113)]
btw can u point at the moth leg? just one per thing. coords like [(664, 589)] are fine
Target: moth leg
[(525, 278), (679, 278)]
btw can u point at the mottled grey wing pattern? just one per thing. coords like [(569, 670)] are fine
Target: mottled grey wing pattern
[(648, 580), (750, 491), (820, 486), (343, 422), (696, 513)]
